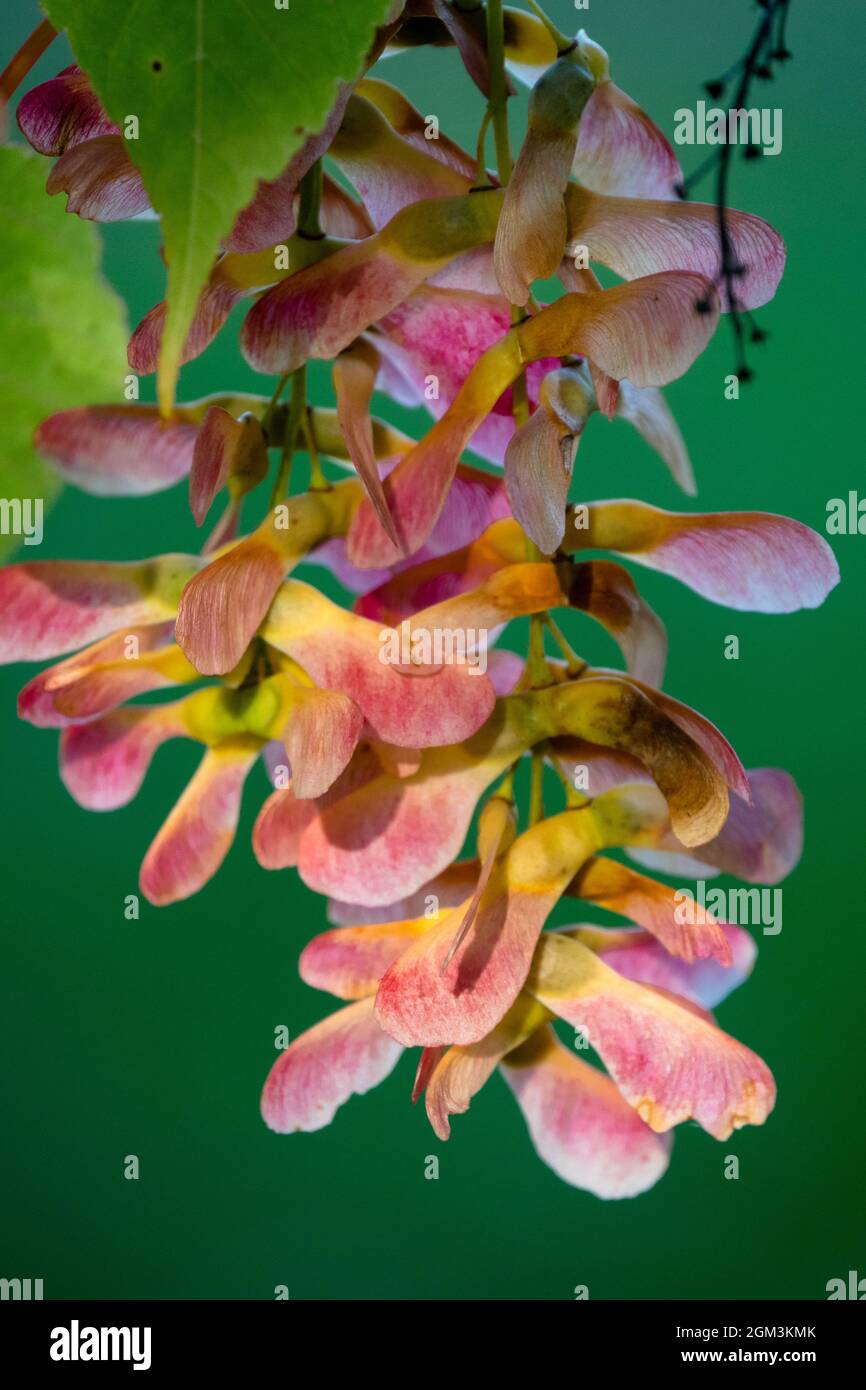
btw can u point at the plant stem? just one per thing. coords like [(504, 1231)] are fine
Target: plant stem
[(563, 43), (519, 396), (498, 93), (537, 673), (573, 662), (27, 56), (506, 786), (270, 410), (482, 178), (290, 440), (318, 481), (536, 788), (309, 225), (499, 117)]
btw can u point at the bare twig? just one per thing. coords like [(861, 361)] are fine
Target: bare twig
[(766, 48)]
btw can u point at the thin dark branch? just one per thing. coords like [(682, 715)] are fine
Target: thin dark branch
[(766, 48)]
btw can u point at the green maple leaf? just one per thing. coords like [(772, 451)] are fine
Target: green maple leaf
[(65, 329), (225, 92)]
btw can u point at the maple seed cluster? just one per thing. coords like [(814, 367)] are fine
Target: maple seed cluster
[(414, 269)]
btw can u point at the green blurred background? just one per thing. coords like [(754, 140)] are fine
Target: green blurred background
[(154, 1037)]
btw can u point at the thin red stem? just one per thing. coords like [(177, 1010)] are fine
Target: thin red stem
[(27, 57)]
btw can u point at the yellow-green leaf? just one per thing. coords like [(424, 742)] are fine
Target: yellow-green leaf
[(65, 330), (224, 92)]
